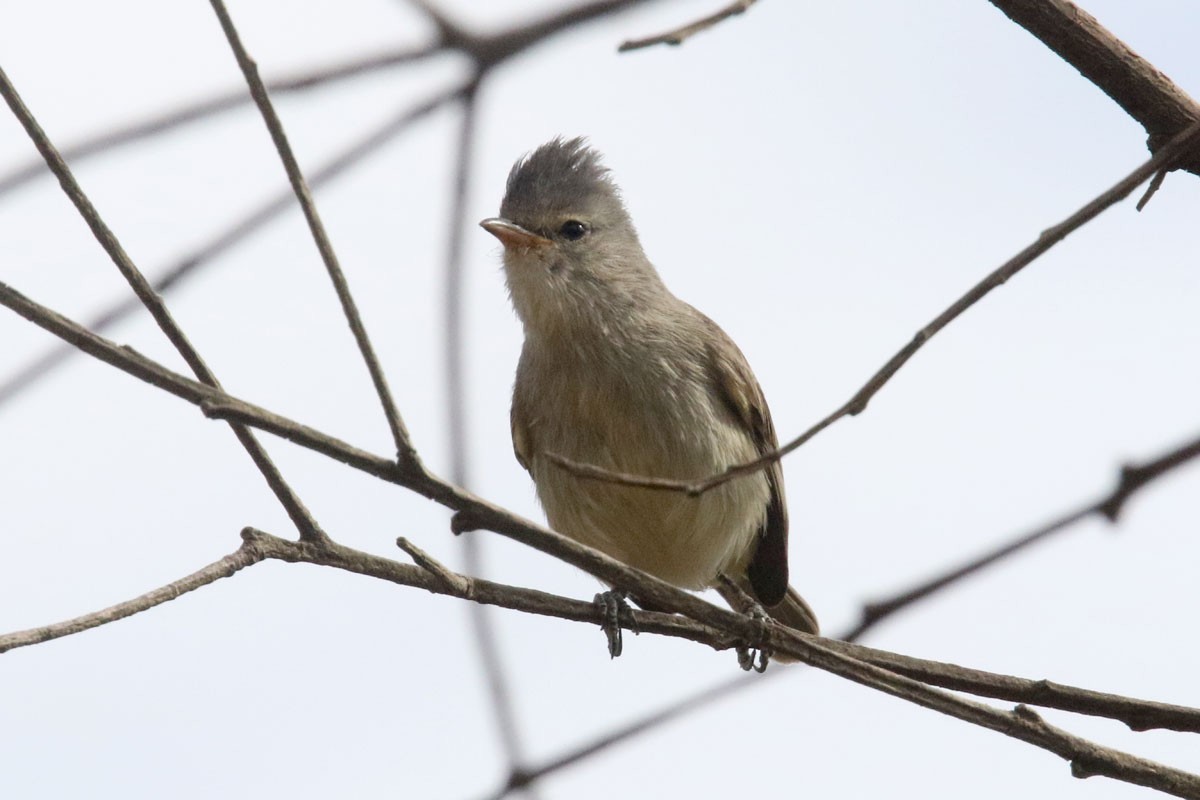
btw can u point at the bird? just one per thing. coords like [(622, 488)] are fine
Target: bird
[(618, 373)]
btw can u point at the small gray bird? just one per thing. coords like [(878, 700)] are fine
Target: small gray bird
[(619, 373)]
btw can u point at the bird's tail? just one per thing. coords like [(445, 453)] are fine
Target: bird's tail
[(795, 613), (791, 610)]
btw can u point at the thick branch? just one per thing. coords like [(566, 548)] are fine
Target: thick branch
[(1147, 95)]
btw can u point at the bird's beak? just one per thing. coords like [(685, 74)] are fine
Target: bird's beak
[(511, 234)]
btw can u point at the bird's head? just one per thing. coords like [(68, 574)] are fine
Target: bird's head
[(570, 248)]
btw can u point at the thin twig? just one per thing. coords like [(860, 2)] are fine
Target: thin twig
[(1178, 148), (459, 585), (633, 729), (875, 612), (239, 231), (1132, 478), (481, 619), (400, 438), (452, 296), (153, 302), (1155, 184), (684, 32), (241, 558), (197, 110)]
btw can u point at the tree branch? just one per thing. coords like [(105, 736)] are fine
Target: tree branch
[(241, 558), (197, 110), (1161, 107), (1132, 478), (684, 32), (258, 91)]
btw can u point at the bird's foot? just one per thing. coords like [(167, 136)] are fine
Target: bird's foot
[(615, 614), (756, 656)]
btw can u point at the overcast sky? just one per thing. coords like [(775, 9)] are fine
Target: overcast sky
[(820, 178)]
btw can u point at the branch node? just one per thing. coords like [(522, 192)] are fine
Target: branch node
[(1131, 479), (464, 522), (1155, 183), (679, 35), (253, 536), (456, 584), (1022, 711)]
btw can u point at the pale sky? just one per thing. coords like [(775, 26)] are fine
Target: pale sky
[(820, 178)]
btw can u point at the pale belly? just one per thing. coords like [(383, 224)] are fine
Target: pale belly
[(686, 541)]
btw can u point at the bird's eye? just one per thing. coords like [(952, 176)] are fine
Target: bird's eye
[(573, 230)]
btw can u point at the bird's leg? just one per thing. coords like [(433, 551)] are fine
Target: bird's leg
[(615, 613), (755, 657)]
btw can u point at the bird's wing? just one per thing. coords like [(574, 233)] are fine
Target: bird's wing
[(520, 425), (522, 437), (737, 387)]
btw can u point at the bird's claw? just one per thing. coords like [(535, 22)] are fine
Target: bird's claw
[(757, 656), (615, 614)]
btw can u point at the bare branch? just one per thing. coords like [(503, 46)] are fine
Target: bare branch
[(684, 32), (1178, 148), (400, 438), (292, 504), (722, 628), (1132, 478), (241, 558), (481, 618), (1147, 95), (452, 299), (200, 109), (458, 585)]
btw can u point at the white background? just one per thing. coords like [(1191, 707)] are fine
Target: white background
[(820, 178)]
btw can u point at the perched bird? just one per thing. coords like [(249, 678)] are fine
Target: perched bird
[(619, 373)]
